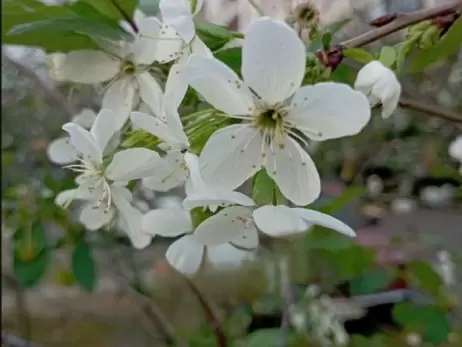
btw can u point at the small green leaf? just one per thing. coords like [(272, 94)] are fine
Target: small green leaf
[(263, 188), (358, 54), (447, 45), (268, 338), (322, 238), (344, 199), (110, 8), (83, 265), (425, 277), (231, 57), (214, 36), (431, 321), (30, 273), (370, 282), (343, 74), (352, 261), (388, 56), (326, 39)]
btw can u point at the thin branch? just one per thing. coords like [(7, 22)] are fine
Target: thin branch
[(52, 92), (126, 16), (430, 110), (211, 316), (402, 21)]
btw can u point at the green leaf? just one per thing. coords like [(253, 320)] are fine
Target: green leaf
[(326, 39), (17, 12), (268, 338), (231, 57), (388, 56), (424, 276), (214, 36), (370, 282), (317, 42), (352, 261), (263, 188), (325, 239), (358, 54), (431, 321), (83, 266), (109, 9), (343, 74), (450, 43), (344, 199), (31, 254)]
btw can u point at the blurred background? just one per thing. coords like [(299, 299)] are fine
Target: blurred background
[(406, 203)]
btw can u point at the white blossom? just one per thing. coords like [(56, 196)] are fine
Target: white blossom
[(277, 113), (380, 85), (60, 151), (138, 17), (455, 151)]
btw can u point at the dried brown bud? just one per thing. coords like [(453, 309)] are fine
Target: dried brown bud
[(332, 57), (383, 20), (444, 22)]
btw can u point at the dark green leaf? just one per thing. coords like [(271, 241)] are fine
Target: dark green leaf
[(31, 272), (344, 199), (388, 56), (268, 338), (231, 57), (326, 39), (431, 320), (322, 238), (83, 266), (214, 36), (450, 43), (343, 74), (358, 54), (110, 7), (424, 276), (263, 188), (370, 282)]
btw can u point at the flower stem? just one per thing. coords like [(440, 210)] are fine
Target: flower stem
[(197, 114)]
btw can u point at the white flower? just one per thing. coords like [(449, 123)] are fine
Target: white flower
[(186, 254), (455, 151), (96, 178), (60, 151), (446, 268), (125, 65), (175, 41), (54, 63), (276, 111), (380, 85), (138, 17)]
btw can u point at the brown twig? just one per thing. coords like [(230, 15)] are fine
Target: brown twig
[(431, 110), (126, 16), (402, 21), (52, 92), (211, 316)]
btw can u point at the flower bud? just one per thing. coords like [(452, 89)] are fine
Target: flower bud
[(331, 58)]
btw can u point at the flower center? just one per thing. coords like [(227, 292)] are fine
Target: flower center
[(270, 119), (128, 67)]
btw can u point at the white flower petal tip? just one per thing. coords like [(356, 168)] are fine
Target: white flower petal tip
[(215, 197), (455, 149), (318, 218), (166, 222), (185, 255), (278, 221), (179, 15), (61, 152), (380, 85), (227, 257)]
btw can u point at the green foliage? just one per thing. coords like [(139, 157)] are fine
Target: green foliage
[(214, 36), (263, 188), (358, 54), (429, 320), (388, 56), (268, 338), (425, 277), (447, 45), (324, 38), (110, 9), (351, 262), (343, 200), (370, 281), (323, 239), (83, 265), (231, 57), (31, 254)]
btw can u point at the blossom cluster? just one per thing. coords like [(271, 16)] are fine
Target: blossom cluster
[(262, 120)]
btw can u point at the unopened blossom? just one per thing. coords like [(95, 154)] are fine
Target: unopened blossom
[(99, 180), (278, 113), (380, 85), (187, 253), (125, 66), (175, 39), (60, 151), (455, 151)]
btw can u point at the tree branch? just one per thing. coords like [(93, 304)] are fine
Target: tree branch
[(402, 21), (431, 110)]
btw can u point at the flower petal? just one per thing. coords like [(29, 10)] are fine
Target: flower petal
[(455, 148), (249, 241), (219, 85), (177, 14), (151, 93), (170, 173), (329, 110), (160, 129), (231, 223), (228, 257), (131, 218), (185, 254), (216, 197), (176, 85), (94, 218), (273, 59), (294, 172), (87, 66), (166, 222), (119, 99), (61, 152), (83, 143), (278, 221), (319, 218), (131, 164), (104, 128), (85, 118), (231, 156)]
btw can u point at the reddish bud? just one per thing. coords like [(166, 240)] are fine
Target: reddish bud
[(332, 57), (383, 20)]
